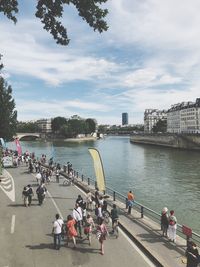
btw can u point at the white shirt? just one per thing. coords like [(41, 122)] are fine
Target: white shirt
[(77, 214), (57, 225)]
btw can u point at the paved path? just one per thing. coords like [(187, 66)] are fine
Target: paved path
[(25, 233)]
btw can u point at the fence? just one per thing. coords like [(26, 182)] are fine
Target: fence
[(144, 210)]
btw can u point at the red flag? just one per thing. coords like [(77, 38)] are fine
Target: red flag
[(19, 149)]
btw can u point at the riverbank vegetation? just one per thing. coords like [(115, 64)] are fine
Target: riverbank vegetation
[(8, 113)]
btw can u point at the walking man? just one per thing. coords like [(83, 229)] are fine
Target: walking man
[(30, 194), (78, 216), (57, 231)]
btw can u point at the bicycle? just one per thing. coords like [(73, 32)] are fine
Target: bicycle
[(67, 182)]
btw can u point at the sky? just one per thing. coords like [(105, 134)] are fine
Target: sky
[(148, 58)]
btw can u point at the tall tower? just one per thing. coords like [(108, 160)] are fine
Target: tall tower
[(124, 118)]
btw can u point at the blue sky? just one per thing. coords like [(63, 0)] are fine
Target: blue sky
[(149, 58)]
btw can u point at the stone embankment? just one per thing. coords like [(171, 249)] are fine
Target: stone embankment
[(181, 141)]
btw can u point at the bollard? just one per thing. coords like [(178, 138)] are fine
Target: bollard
[(113, 195), (77, 175), (88, 181), (142, 211), (95, 184), (82, 177)]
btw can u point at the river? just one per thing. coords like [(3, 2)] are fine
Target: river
[(158, 176)]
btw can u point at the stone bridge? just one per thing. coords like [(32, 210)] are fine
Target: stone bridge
[(22, 135)]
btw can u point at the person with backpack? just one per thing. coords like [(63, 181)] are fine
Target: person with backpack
[(41, 192), (57, 231), (114, 216), (164, 221), (30, 194)]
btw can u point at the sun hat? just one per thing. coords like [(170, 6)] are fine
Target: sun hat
[(165, 209)]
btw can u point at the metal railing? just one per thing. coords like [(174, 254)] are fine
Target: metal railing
[(142, 209)]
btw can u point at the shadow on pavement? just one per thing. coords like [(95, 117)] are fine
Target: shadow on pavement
[(41, 246)]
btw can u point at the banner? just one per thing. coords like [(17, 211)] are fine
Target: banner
[(19, 149), (98, 167)]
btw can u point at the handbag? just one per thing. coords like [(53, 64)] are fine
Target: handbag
[(86, 230)]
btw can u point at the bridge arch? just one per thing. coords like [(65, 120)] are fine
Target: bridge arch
[(22, 136)]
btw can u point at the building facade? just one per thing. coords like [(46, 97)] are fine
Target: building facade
[(151, 117), (184, 117), (45, 125), (124, 118)]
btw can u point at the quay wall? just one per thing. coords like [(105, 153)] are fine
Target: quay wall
[(181, 141)]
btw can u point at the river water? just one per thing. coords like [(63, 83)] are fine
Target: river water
[(158, 176)]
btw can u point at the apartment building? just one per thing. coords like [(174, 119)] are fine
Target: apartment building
[(45, 125), (151, 117), (184, 117)]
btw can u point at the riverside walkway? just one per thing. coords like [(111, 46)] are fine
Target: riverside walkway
[(26, 240)]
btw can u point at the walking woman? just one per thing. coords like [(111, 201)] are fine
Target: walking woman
[(88, 228), (164, 221), (172, 226), (102, 232), (71, 231)]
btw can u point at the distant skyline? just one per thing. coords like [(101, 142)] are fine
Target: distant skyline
[(148, 58)]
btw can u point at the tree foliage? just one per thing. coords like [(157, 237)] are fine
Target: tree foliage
[(8, 114), (57, 123), (72, 127), (50, 13), (90, 126), (160, 126), (27, 127)]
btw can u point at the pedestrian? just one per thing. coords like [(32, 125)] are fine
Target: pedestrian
[(57, 175), (71, 230), (131, 199), (79, 201), (114, 216), (102, 232), (99, 213), (30, 194), (164, 221), (172, 226), (41, 192), (38, 178), (78, 216), (97, 195), (84, 213), (57, 231), (192, 255), (88, 227), (89, 200), (25, 196)]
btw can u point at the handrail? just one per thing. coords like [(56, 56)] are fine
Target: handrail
[(195, 236), (117, 195)]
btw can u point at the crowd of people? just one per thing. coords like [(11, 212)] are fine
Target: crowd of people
[(81, 221)]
